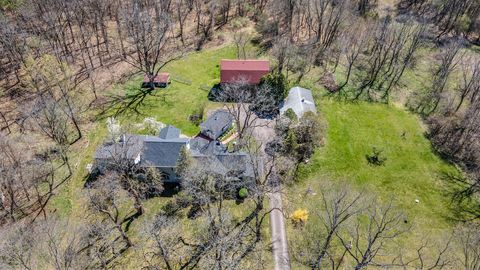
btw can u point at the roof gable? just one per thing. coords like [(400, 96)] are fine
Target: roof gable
[(300, 100), (217, 124), (129, 146), (169, 132)]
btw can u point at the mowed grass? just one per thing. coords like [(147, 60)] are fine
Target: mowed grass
[(174, 104), (412, 169)]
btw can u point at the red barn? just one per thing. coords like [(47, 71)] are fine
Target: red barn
[(252, 71)]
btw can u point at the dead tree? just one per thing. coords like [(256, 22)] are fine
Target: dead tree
[(149, 31)]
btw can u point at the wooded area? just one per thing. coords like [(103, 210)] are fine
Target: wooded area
[(59, 59)]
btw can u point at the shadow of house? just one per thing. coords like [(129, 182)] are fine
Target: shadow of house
[(215, 93)]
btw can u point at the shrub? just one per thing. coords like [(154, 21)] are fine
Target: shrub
[(197, 115), (299, 217), (243, 193), (171, 208), (290, 113), (376, 158), (239, 22)]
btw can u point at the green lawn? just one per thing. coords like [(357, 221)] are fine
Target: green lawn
[(412, 170), (174, 104)]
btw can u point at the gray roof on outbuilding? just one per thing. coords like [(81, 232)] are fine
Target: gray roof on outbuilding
[(217, 124), (169, 132), (300, 100)]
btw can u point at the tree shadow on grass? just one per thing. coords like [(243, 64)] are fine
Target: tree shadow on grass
[(463, 195), (133, 101)]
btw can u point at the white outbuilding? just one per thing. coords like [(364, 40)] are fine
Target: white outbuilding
[(300, 100)]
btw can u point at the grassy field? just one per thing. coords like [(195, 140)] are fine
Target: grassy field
[(412, 170), (174, 104)]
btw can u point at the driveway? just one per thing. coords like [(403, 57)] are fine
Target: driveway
[(263, 133), (279, 235)]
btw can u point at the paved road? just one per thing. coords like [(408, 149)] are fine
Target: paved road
[(279, 235)]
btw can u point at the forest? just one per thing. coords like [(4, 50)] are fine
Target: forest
[(69, 73)]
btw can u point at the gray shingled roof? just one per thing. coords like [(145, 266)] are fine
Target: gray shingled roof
[(227, 162), (203, 145), (129, 145), (217, 124), (169, 132), (161, 153), (300, 100)]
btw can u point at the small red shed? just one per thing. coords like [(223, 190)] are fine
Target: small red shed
[(252, 71), (161, 80)]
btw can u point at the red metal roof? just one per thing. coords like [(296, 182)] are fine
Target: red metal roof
[(250, 70), (245, 65), (160, 78)]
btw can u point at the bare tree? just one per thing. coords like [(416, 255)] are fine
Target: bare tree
[(219, 242), (469, 85), (50, 243), (353, 42), (391, 49), (468, 237), (369, 240), (237, 98), (28, 182), (338, 208), (440, 75), (205, 11), (241, 39), (107, 199)]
